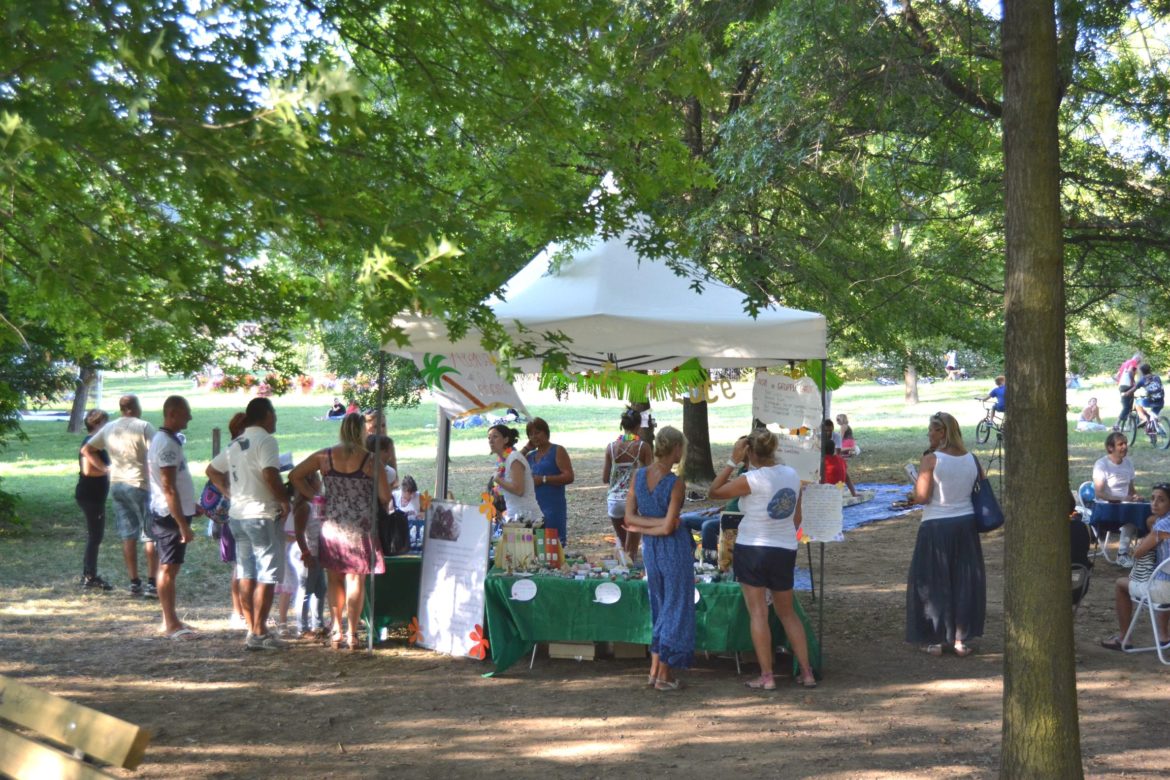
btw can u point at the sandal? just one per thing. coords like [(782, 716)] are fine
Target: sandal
[(765, 682), (668, 685), (351, 642), (935, 650), (335, 641), (963, 650), (1114, 643)]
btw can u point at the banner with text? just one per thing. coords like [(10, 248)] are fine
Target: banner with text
[(464, 383), (788, 402)]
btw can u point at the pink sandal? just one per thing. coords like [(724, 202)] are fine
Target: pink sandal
[(765, 682)]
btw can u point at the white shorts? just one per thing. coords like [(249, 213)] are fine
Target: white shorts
[(1158, 590), (616, 508)]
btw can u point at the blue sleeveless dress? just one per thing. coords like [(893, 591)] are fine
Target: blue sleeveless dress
[(670, 577), (551, 498)]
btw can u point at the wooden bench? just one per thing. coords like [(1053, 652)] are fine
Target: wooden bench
[(81, 731)]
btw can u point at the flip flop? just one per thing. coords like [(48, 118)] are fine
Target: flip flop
[(184, 634), (963, 650), (1114, 643), (806, 683)]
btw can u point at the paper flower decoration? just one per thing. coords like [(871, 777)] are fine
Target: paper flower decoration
[(415, 631), (487, 507), (480, 648), (424, 501)]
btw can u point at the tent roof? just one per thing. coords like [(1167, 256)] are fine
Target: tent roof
[(635, 312)]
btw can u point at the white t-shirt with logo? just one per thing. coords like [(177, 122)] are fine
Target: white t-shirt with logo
[(165, 451), (244, 461), (126, 440), (769, 511)]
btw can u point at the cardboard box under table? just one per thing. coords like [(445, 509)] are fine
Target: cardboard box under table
[(568, 610)]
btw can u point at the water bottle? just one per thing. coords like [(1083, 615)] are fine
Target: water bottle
[(317, 508)]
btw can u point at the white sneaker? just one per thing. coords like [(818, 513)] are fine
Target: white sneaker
[(269, 642), (1125, 562), (237, 621)]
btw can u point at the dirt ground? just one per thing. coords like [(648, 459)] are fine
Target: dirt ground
[(884, 709)]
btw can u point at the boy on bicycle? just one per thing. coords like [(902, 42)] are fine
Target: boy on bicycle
[(1151, 406), (998, 393)]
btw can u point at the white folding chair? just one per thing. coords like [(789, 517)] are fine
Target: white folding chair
[(1145, 604)]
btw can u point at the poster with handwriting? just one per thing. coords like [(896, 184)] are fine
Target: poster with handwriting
[(788, 402), (820, 511), (802, 454), (454, 567)]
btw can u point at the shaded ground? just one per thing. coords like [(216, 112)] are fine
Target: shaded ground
[(883, 710)]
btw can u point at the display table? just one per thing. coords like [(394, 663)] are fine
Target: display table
[(1109, 516), (567, 610), (395, 593)]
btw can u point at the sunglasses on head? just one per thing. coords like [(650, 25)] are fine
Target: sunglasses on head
[(1163, 486)]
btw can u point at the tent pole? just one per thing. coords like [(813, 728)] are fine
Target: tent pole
[(821, 603), (380, 417), (443, 461)]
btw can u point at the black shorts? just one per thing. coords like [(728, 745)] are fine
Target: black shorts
[(168, 540), (764, 567)]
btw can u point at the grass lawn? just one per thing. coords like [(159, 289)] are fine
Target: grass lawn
[(891, 433)]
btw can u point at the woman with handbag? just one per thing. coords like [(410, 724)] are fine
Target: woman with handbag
[(946, 590)]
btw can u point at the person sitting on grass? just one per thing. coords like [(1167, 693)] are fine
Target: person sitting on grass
[(1090, 419), (1139, 583)]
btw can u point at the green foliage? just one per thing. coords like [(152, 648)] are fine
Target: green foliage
[(352, 351)]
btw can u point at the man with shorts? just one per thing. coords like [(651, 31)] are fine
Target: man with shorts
[(1151, 405), (248, 470), (172, 505), (126, 440)]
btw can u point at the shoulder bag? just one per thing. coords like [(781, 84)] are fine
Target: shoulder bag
[(988, 515)]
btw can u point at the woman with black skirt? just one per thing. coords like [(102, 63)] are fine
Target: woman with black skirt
[(93, 486), (946, 590)]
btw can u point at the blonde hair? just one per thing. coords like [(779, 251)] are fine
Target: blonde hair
[(842, 420), (952, 436), (667, 439), (353, 432), (762, 443)]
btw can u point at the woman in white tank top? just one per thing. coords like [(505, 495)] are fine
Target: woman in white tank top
[(946, 590)]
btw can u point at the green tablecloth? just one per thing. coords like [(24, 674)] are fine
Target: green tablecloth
[(395, 593), (564, 610)]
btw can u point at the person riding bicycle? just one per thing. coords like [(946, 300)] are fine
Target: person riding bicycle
[(998, 393), (1151, 406)]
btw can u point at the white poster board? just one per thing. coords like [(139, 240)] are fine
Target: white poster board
[(802, 454), (787, 402), (454, 567), (464, 383), (820, 512)]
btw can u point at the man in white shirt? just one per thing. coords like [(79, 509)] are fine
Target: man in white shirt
[(126, 440), (172, 505), (1113, 477), (248, 470)]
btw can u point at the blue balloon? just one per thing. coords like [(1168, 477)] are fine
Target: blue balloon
[(1088, 495)]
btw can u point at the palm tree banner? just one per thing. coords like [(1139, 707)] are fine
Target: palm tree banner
[(466, 383)]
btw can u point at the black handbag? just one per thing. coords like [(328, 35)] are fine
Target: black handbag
[(393, 532), (988, 515)]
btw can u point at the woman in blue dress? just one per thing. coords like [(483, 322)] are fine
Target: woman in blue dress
[(652, 509), (551, 471)]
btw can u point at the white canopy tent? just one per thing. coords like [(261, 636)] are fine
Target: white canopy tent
[(634, 312)]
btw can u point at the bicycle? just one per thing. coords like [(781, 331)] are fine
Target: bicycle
[(1156, 427), (990, 422)]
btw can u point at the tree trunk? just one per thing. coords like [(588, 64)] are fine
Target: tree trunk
[(698, 466), (910, 383), (1040, 729), (85, 379)]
